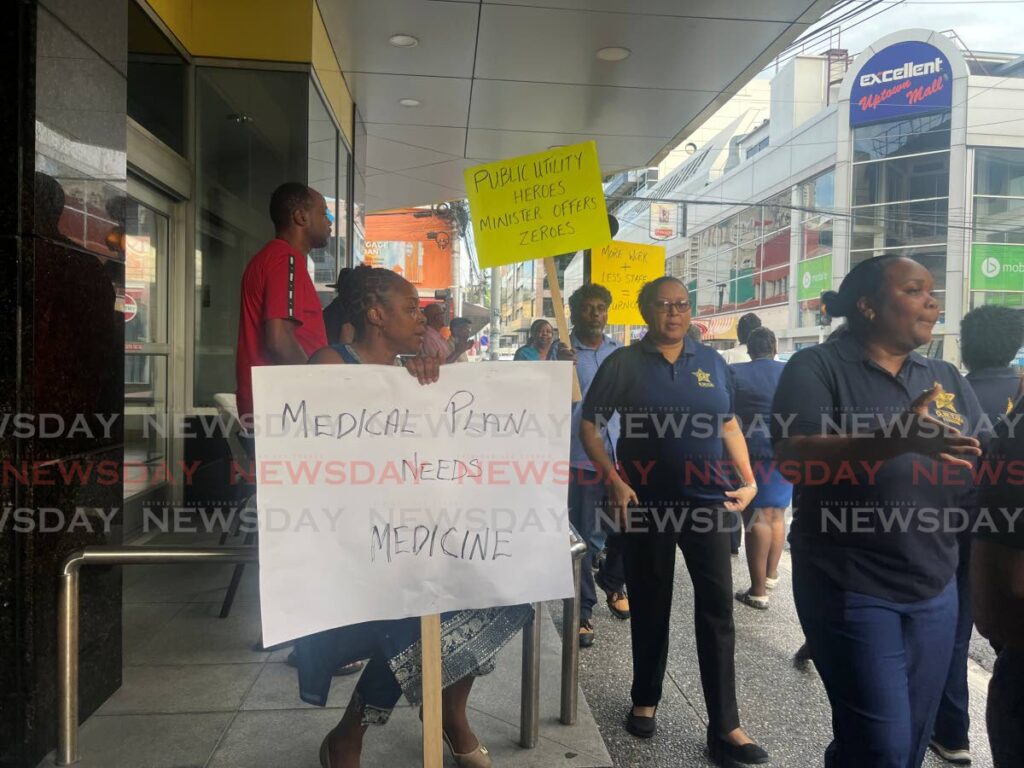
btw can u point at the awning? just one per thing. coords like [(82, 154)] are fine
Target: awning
[(720, 328)]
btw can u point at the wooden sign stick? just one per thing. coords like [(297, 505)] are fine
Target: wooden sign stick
[(430, 639), (563, 327)]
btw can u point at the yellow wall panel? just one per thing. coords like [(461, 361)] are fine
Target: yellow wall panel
[(268, 30), (262, 30), (331, 78), (177, 15)]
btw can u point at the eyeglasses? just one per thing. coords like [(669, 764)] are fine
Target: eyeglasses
[(663, 307)]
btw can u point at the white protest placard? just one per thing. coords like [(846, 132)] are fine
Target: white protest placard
[(381, 498)]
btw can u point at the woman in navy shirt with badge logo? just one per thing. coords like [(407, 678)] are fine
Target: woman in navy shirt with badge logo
[(678, 439), (874, 545)]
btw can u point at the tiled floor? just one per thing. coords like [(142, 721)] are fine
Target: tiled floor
[(196, 693)]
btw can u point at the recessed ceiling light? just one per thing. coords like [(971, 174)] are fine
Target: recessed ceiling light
[(614, 53), (409, 102), (403, 41)]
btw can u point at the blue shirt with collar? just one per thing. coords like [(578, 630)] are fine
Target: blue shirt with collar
[(588, 360), (670, 445), (878, 530), (996, 388), (756, 382)]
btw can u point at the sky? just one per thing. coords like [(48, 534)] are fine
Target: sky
[(983, 25)]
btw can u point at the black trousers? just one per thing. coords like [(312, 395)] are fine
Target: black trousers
[(650, 555)]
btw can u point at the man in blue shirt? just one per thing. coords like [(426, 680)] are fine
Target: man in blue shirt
[(588, 312)]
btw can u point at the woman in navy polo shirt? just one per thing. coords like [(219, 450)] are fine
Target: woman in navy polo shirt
[(874, 544), (765, 518), (678, 439)]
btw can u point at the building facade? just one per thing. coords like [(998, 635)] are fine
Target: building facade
[(919, 151)]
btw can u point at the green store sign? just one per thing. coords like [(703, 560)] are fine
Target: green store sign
[(997, 267), (814, 277)]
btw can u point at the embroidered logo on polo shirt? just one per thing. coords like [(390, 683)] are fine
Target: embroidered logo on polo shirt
[(703, 379), (945, 409)]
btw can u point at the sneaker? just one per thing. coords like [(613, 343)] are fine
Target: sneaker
[(956, 756), (771, 583), (586, 633), (753, 601), (618, 604)]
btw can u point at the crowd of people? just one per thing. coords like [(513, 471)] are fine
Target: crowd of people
[(887, 611)]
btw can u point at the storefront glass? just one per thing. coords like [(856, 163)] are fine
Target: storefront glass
[(814, 274), (901, 192), (251, 135), (996, 267)]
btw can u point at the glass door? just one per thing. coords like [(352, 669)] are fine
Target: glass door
[(147, 342)]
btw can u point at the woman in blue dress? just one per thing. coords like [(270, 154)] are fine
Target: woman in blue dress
[(756, 382), (384, 309)]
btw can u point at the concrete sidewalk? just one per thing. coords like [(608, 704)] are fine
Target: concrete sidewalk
[(195, 692), (783, 708)]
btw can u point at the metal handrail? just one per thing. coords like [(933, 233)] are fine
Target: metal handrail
[(68, 634), (529, 711), (67, 618)]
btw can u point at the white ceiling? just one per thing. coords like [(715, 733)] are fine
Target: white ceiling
[(500, 78)]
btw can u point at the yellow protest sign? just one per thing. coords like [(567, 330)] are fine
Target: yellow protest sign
[(623, 268), (536, 206)]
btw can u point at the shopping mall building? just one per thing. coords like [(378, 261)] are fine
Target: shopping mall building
[(915, 147)]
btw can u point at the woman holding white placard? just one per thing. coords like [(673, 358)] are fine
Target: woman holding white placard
[(384, 309)]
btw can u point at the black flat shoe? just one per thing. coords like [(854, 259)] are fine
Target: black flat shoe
[(730, 755), (641, 727)]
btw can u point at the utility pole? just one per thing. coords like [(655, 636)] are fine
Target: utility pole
[(495, 311)]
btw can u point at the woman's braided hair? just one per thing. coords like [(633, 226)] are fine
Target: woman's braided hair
[(365, 287)]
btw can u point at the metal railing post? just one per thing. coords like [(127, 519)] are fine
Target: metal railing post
[(529, 712), (68, 615), (570, 640), (67, 667)]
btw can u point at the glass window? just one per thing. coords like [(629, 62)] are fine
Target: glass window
[(903, 137), (999, 172), (156, 81), (778, 212), (322, 175), (251, 135), (905, 178), (817, 237), (358, 189), (900, 224)]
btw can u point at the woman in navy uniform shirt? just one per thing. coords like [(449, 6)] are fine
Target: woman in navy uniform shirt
[(678, 436), (874, 544), (765, 518), (990, 338)]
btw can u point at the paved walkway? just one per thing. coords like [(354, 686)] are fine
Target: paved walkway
[(783, 708), (196, 694)]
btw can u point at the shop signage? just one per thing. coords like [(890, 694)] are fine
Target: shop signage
[(131, 308), (537, 206), (623, 268), (664, 221), (997, 267), (907, 79), (814, 277)]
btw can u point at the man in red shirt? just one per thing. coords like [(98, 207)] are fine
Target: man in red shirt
[(280, 318)]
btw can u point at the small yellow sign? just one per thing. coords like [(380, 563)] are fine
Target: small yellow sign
[(623, 268), (536, 206)]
